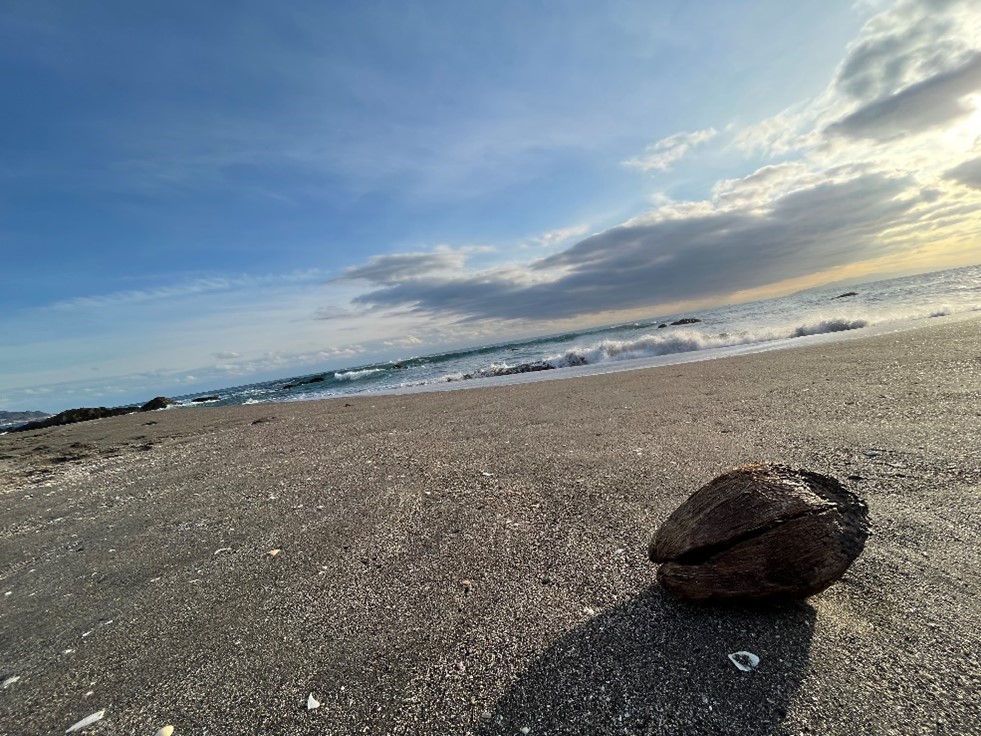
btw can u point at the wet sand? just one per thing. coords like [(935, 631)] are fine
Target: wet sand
[(475, 561)]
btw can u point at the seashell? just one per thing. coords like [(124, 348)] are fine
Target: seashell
[(758, 532), (274, 552), (312, 702), (746, 661), (10, 681), (165, 731), (86, 722)]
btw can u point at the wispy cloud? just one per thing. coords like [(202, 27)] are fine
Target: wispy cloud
[(665, 153), (561, 234), (186, 289)]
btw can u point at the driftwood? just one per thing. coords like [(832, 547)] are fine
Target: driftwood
[(760, 531)]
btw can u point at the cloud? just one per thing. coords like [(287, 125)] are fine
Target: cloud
[(202, 286), (967, 173), (908, 71), (227, 355), (560, 235), (665, 153), (702, 253), (332, 312), (897, 48), (931, 102), (391, 269)]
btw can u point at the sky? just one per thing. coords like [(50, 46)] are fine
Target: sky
[(201, 195)]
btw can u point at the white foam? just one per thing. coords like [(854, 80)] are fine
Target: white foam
[(695, 339), (355, 375)]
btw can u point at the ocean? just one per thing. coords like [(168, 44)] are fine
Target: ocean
[(818, 315)]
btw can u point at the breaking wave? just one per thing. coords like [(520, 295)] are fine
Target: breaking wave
[(689, 340), (355, 375)]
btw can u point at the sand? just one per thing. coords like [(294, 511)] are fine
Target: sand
[(475, 561)]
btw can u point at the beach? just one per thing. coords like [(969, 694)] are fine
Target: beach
[(475, 561)]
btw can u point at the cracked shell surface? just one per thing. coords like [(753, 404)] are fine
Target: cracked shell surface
[(760, 531)]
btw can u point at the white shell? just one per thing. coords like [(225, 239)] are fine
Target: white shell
[(165, 731), (312, 702), (87, 721), (10, 681), (745, 661)]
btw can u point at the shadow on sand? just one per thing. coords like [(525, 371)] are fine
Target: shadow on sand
[(655, 665)]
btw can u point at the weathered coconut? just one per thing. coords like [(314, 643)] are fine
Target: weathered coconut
[(758, 532)]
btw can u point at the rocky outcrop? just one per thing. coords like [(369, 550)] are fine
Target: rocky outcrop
[(685, 321), (662, 325), (160, 402), (71, 416), (204, 399), (760, 532), (538, 365), (846, 294), (316, 379)]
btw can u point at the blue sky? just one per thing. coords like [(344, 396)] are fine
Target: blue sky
[(197, 195)]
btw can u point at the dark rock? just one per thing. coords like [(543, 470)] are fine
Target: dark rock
[(160, 402), (846, 294), (71, 416), (304, 382), (686, 321), (759, 532), (202, 399), (662, 325), (538, 365)]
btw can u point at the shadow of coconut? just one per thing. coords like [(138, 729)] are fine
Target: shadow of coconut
[(659, 666)]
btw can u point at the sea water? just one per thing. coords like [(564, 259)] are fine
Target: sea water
[(817, 315)]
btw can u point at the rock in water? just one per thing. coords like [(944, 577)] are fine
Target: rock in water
[(758, 532), (160, 402)]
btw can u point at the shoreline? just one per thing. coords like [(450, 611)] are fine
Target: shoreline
[(475, 562)]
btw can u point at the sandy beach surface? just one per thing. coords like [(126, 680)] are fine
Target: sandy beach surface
[(474, 562)]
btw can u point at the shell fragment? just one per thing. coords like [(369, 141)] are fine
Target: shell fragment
[(312, 702), (746, 661), (86, 722)]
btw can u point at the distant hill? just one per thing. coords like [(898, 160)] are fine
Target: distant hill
[(13, 418)]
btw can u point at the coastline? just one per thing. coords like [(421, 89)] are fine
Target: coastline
[(475, 562)]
